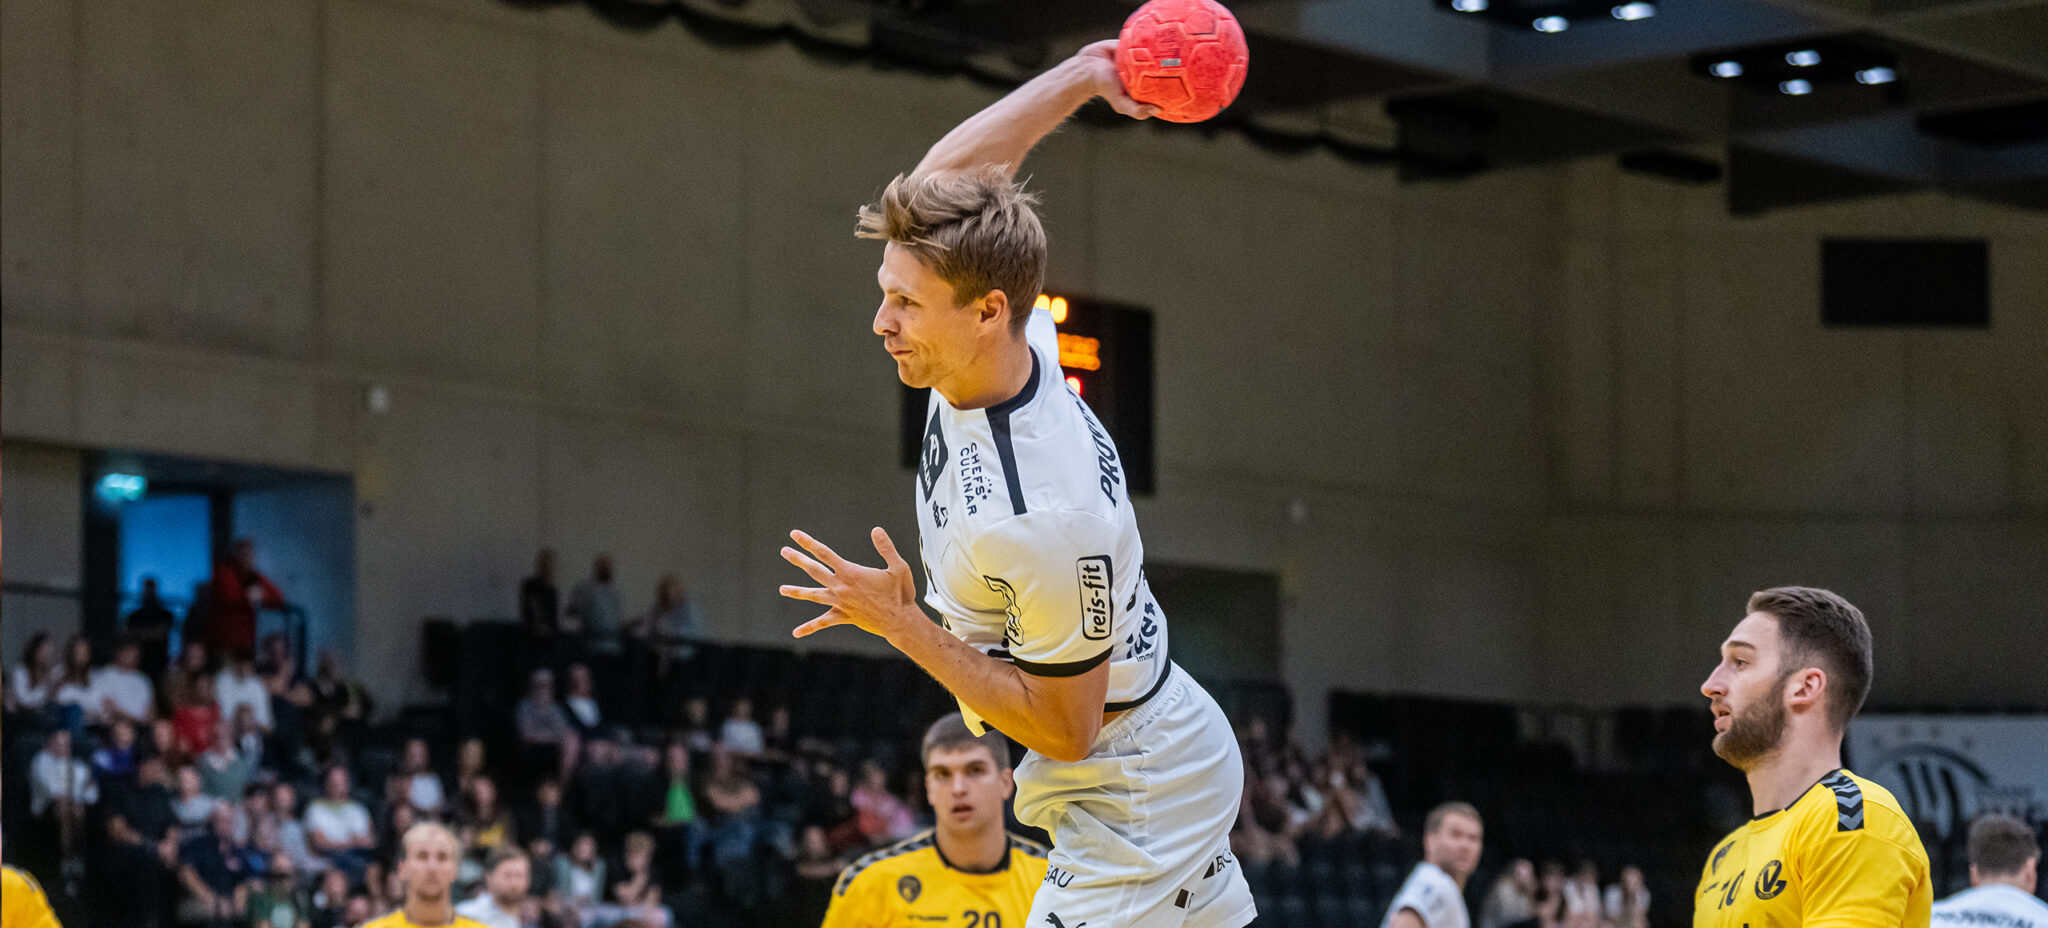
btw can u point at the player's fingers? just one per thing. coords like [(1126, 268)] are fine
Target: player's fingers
[(887, 547), (817, 571), (818, 624), (811, 594), (820, 550), (1103, 49), (1125, 104)]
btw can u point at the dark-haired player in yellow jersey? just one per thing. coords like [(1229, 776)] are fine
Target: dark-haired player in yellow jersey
[(432, 854), (965, 873), (1827, 848)]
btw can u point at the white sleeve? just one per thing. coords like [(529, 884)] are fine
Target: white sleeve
[(1056, 571), (1042, 335), (1426, 899)]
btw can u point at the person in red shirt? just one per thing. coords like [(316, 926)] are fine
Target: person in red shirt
[(238, 590)]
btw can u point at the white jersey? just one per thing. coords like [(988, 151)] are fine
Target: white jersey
[(1433, 896), (1993, 906), (1031, 551)]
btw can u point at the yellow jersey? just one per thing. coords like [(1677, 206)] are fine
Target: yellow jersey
[(398, 920), (22, 904), (910, 883), (1843, 855)]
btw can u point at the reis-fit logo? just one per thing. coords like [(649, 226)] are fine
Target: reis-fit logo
[(1097, 578)]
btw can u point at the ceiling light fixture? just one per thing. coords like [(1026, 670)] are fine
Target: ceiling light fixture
[(1469, 6), (1795, 87), (1877, 75), (1552, 24), (1803, 58), (1727, 69), (1630, 12)]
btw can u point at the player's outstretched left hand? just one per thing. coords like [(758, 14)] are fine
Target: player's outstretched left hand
[(875, 600)]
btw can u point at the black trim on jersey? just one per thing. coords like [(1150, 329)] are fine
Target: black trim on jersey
[(1028, 846), (950, 865), (999, 430), (1838, 772), (1848, 801), (912, 844), (1069, 669), (1166, 670)]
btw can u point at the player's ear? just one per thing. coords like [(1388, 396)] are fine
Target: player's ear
[(1009, 782), (1807, 686), (995, 307)]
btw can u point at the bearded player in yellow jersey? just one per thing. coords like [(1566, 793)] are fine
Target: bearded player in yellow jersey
[(432, 854), (1827, 848), (965, 873)]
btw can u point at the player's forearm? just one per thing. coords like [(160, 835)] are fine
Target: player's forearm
[(998, 692), (1009, 128)]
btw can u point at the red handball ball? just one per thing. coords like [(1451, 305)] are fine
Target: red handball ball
[(1186, 57)]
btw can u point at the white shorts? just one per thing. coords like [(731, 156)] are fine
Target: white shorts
[(1141, 827)]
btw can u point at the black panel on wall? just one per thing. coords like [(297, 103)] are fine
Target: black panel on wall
[(1906, 282)]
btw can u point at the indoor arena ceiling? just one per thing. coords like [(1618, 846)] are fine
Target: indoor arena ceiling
[(1783, 101)]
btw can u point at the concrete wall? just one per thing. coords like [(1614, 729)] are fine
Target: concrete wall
[(609, 283)]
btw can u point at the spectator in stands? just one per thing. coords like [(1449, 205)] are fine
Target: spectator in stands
[(72, 695), (741, 736), (422, 787), (338, 827), (35, 678), (1262, 837), (254, 816), (114, 763), (192, 805), (1582, 897), (149, 626), (539, 601), (277, 901), (637, 896), (678, 816), (544, 729), (237, 591), (238, 686), (672, 622), (120, 691), (884, 816), (1627, 903), (142, 843), (469, 764), (61, 789), (594, 609), (732, 828), (547, 819), (603, 792), (579, 880), (696, 734), (291, 830), (224, 768), (197, 719), (192, 666), (1372, 815), (211, 868), (1512, 903), (341, 709), (1434, 894), (482, 822), (581, 701), (506, 880)]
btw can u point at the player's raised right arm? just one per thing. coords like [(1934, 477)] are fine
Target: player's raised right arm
[(1009, 128)]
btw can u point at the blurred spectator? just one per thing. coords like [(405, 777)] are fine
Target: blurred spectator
[(593, 611), (1627, 903), (1512, 903), (584, 712), (697, 727), (1550, 895), (741, 735), (192, 665), (341, 709), (544, 729), (884, 816), (678, 816), (61, 788), (603, 792), (580, 880), (237, 591), (192, 806), (338, 827), (506, 880), (469, 764), (547, 819), (1262, 836), (277, 901), (291, 830), (636, 895), (142, 843), (238, 686), (72, 696), (482, 822), (225, 770), (422, 789), (330, 899), (672, 624), (198, 718), (120, 691), (539, 601), (211, 869), (35, 678), (114, 763), (149, 626), (1582, 897)]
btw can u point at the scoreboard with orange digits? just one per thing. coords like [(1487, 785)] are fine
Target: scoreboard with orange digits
[(1106, 356)]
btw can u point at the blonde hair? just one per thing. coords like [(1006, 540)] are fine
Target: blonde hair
[(426, 830), (977, 230)]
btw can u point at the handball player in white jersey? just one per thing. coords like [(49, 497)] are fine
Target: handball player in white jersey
[(1045, 628)]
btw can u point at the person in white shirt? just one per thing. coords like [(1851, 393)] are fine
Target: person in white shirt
[(1582, 897), (338, 827), (423, 788), (506, 881), (581, 701), (1434, 894), (120, 691), (2005, 869), (238, 685), (30, 683), (741, 734), (61, 788), (1627, 903)]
